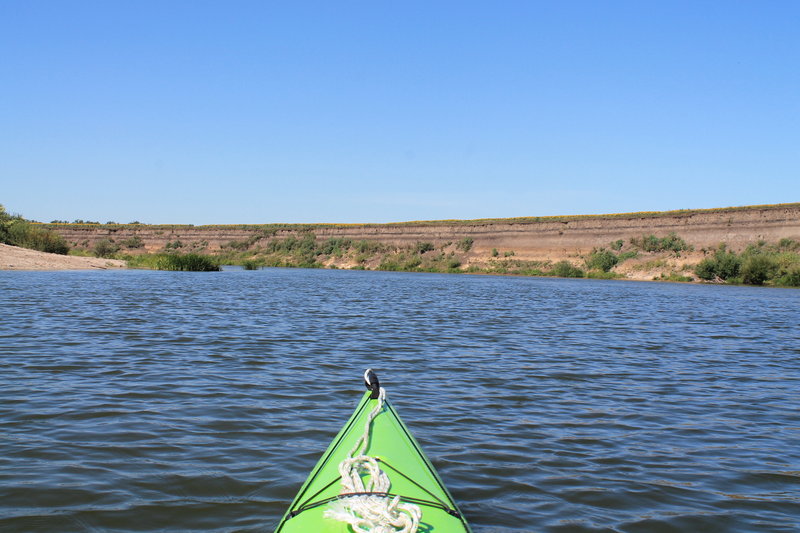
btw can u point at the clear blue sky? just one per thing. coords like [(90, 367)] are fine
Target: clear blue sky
[(253, 112)]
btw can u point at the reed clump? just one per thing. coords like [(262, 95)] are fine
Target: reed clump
[(176, 262), (187, 262)]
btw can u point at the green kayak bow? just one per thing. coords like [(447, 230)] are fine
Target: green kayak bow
[(345, 491)]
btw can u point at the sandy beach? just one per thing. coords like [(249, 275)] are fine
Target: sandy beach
[(15, 258)]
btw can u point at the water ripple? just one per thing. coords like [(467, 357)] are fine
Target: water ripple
[(156, 401)]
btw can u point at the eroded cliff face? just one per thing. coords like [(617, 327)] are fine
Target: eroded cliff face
[(552, 238)]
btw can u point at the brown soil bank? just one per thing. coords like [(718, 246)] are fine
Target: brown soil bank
[(529, 246), (529, 238)]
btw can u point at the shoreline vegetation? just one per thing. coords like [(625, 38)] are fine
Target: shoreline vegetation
[(16, 231), (776, 264), (647, 256)]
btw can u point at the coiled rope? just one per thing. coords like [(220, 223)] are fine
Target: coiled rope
[(374, 512)]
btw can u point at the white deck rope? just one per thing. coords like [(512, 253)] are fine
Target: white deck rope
[(371, 513)]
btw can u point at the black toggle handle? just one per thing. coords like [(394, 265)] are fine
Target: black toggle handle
[(372, 384)]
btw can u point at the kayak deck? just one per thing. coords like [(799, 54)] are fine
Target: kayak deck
[(399, 455)]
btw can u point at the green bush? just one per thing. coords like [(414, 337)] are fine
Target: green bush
[(390, 265), (295, 252), (758, 268), (673, 243), (565, 269), (646, 242), (133, 242), (335, 246), (411, 264), (724, 265), (105, 248), (728, 265), (47, 241), (232, 245), (422, 247), (759, 264), (602, 259), (670, 243), (706, 269), (307, 245), (790, 278), (368, 247), (465, 244), (20, 232), (5, 224), (17, 231)]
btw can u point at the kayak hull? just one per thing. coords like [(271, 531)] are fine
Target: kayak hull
[(412, 476)]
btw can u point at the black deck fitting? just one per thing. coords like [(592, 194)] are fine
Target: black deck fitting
[(372, 384)]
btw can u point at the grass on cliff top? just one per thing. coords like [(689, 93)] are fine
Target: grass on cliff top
[(272, 229)]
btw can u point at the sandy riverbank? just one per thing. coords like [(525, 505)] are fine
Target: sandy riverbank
[(14, 258)]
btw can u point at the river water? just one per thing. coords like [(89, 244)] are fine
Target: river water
[(168, 401)]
